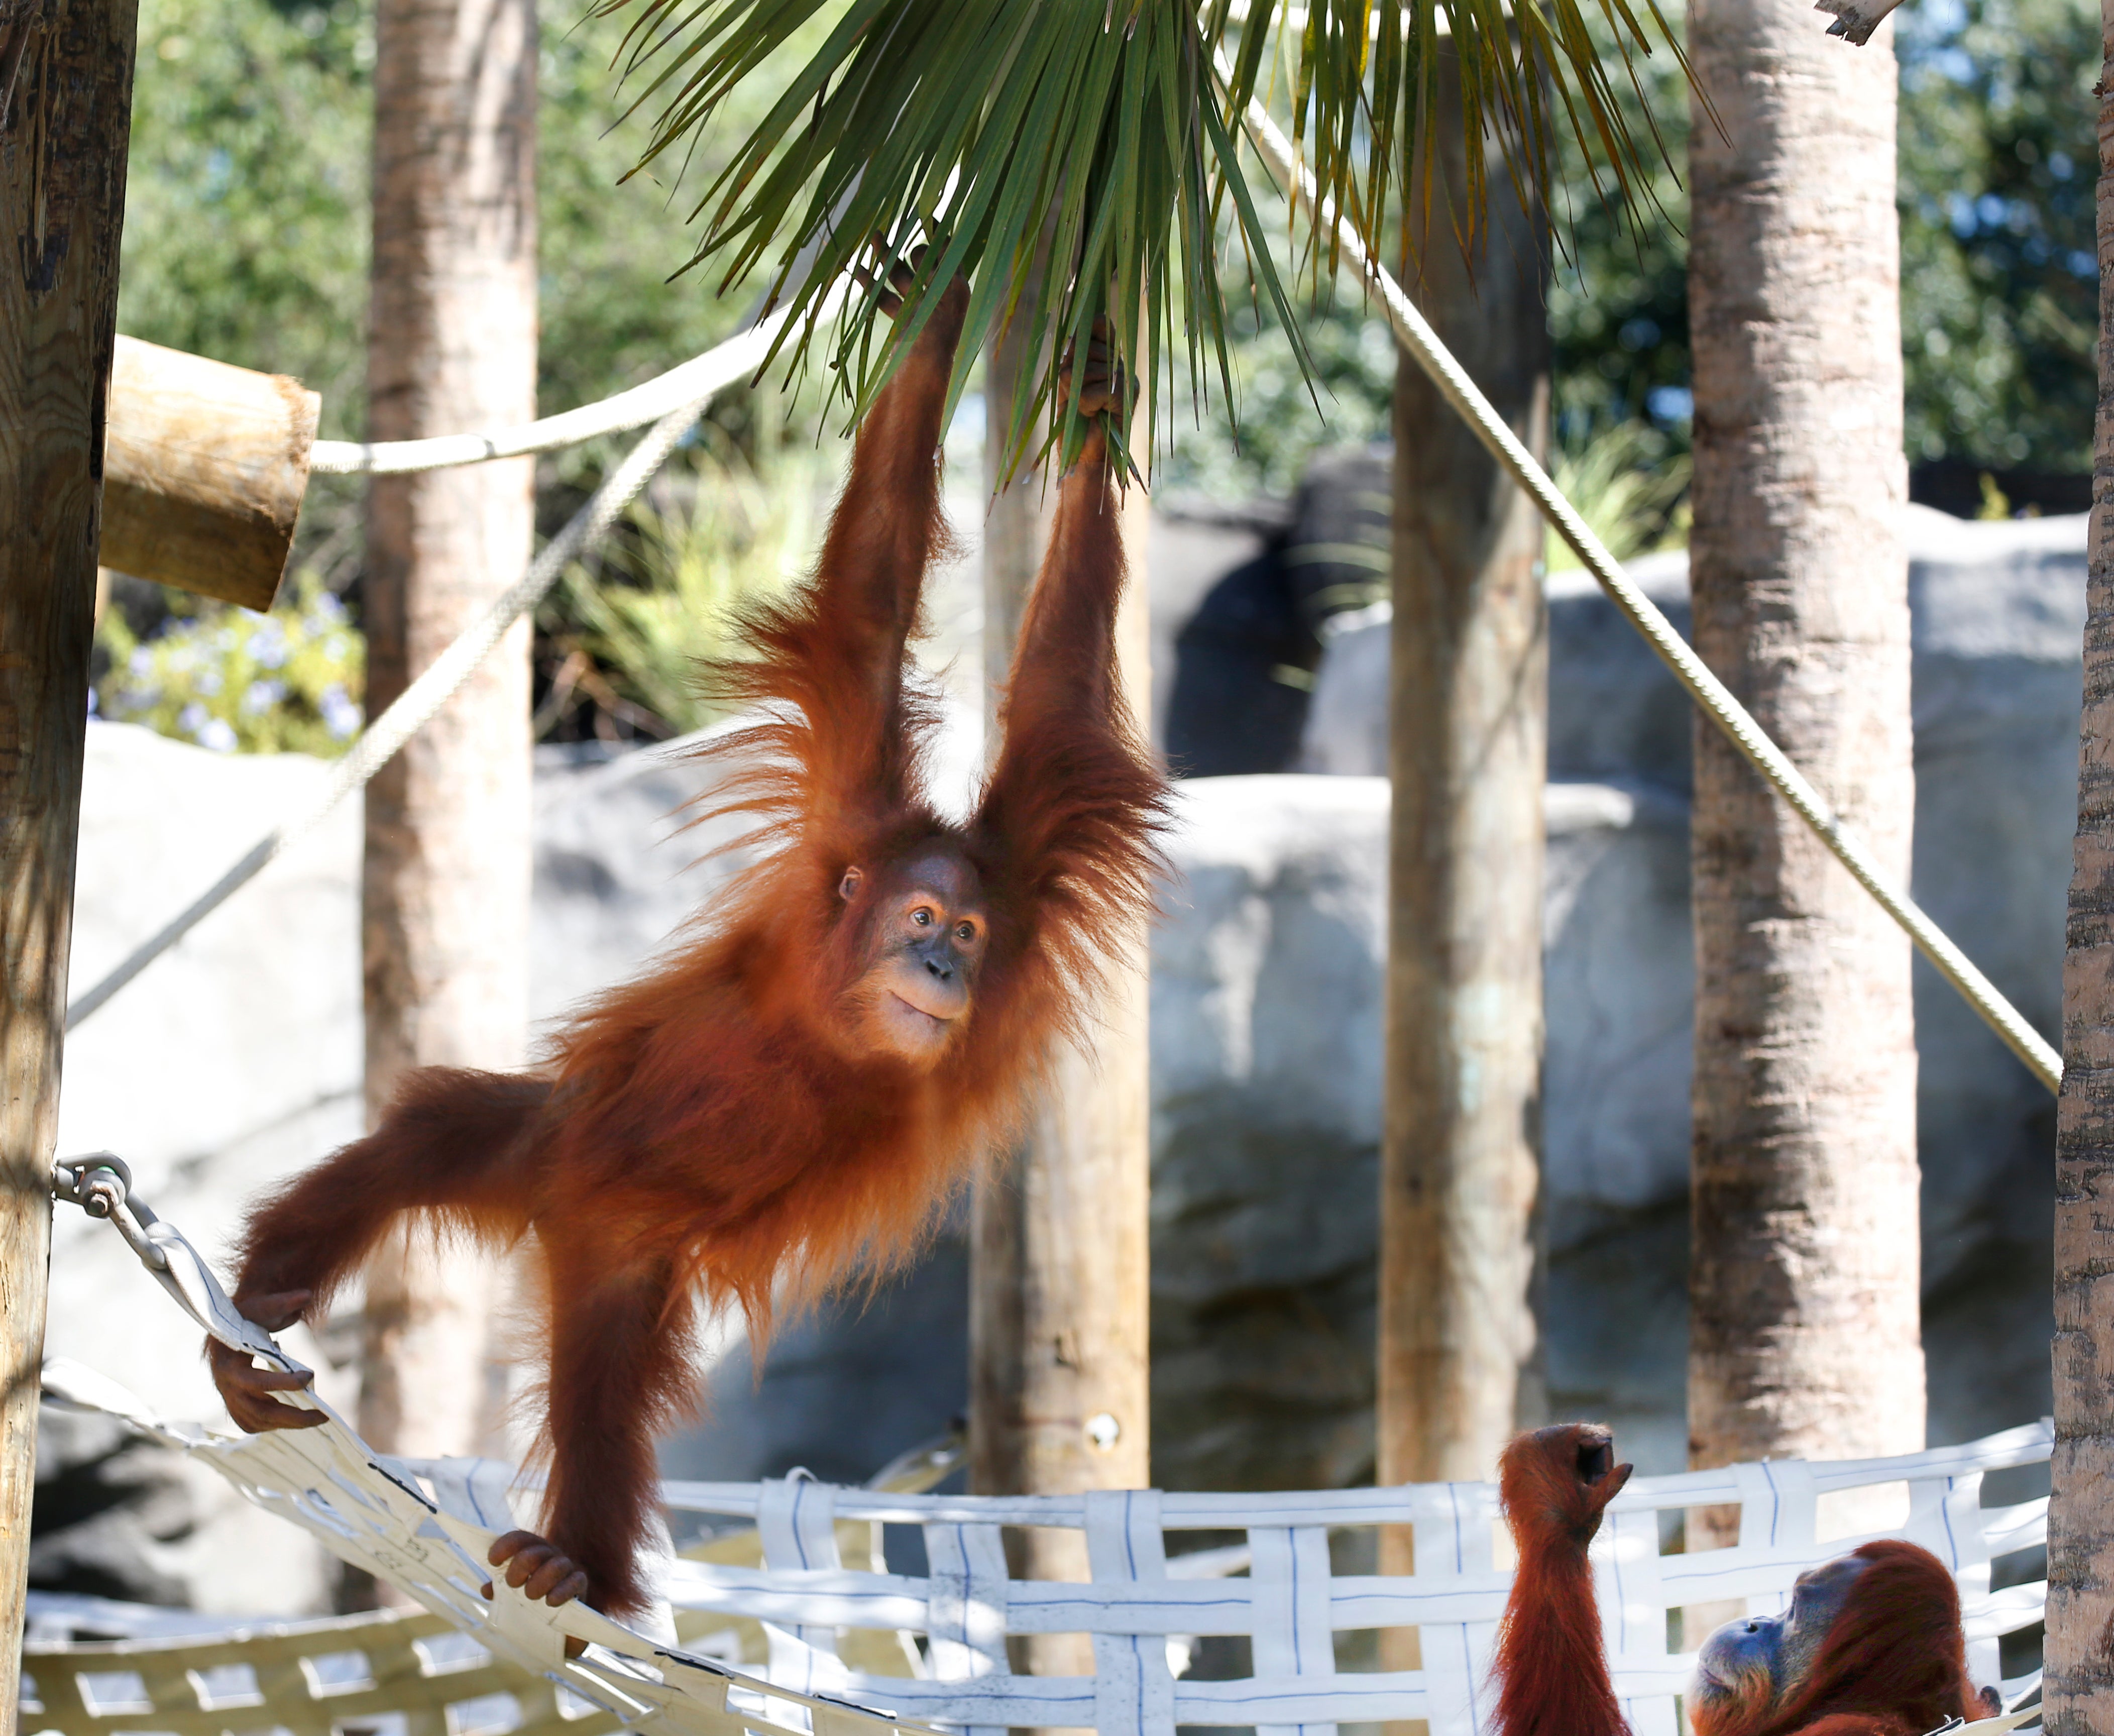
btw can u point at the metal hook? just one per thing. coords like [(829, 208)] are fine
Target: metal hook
[(98, 1182)]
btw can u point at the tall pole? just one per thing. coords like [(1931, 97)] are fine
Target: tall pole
[(1059, 1312), (2080, 1580), (66, 116), (1804, 1328), (445, 912), (1461, 1139)]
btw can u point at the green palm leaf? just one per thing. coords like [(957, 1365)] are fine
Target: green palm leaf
[(1075, 156)]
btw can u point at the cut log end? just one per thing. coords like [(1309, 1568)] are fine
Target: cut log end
[(204, 469)]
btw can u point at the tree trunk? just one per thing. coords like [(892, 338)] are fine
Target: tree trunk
[(1460, 1367), (62, 149), (1805, 1338), (445, 890), (1459, 1371), (2079, 1687), (1059, 1313)]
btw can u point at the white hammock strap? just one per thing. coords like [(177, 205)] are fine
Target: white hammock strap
[(424, 1526)]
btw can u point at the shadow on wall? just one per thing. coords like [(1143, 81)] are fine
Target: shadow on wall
[(846, 1388), (1244, 661)]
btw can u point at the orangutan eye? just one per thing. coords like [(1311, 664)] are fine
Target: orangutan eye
[(922, 917), (966, 932)]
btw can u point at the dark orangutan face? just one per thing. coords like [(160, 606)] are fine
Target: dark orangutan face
[(927, 936), (1749, 1668)]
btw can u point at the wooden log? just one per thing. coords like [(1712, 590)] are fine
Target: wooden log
[(62, 152), (204, 469), (1459, 1364), (1059, 1310)]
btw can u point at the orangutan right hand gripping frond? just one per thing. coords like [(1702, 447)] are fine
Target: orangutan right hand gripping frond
[(791, 1094)]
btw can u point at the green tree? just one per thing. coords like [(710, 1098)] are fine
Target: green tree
[(1999, 280), (1999, 283)]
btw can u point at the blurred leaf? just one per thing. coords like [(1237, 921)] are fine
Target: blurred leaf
[(2000, 273), (228, 679), (628, 634), (1630, 489)]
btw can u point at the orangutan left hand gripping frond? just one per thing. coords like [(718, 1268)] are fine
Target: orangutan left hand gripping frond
[(791, 1095), (1870, 1645)]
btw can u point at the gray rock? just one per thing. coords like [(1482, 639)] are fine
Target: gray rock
[(1266, 991), (1997, 613), (107, 1509)]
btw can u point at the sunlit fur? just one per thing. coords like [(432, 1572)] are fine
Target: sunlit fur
[(1551, 1674), (725, 1128), (1893, 1663)]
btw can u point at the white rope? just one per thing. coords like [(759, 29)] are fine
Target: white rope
[(700, 378), (417, 704), (1416, 335), (678, 398)]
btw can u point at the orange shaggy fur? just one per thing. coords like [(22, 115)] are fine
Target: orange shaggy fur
[(1893, 1662), (716, 1130)]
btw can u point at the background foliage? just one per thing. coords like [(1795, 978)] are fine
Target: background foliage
[(229, 679), (246, 238), (1999, 285), (246, 235)]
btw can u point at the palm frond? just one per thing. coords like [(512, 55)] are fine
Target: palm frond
[(1076, 157)]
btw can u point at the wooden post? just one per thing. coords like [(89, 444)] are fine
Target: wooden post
[(62, 146), (206, 465), (1059, 1312), (445, 909), (1461, 1136)]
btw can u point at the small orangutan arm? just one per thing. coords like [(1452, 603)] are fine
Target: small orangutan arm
[(836, 653), (1074, 801), (246, 1390), (1552, 1662)]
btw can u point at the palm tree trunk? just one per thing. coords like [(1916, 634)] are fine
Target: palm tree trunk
[(1805, 1336), (1459, 1362), (1459, 1368), (2080, 1691), (445, 890)]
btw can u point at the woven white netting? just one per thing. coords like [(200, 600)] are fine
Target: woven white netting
[(1293, 1588)]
